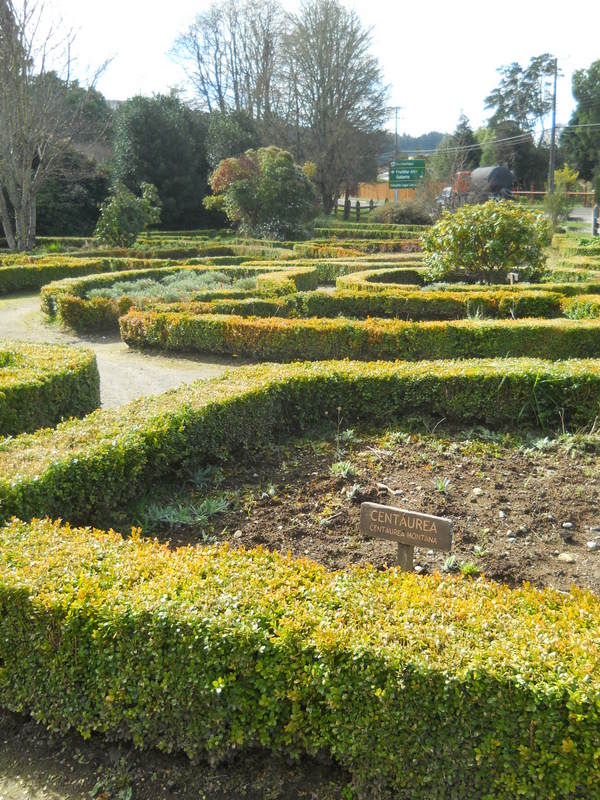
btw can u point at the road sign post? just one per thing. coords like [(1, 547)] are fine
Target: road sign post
[(405, 173)]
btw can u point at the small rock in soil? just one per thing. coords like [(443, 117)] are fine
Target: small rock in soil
[(502, 514), (567, 558), (477, 491), (237, 535), (593, 545), (567, 525)]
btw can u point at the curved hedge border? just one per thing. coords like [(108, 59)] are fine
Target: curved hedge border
[(281, 339), (88, 466), (421, 687), (32, 273), (68, 299), (42, 384)]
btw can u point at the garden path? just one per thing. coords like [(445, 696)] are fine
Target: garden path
[(124, 374)]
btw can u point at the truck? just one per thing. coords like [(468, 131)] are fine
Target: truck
[(477, 186)]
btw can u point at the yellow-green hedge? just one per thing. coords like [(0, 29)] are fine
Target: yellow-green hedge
[(281, 339), (42, 384), (422, 687), (68, 299), (32, 273), (88, 466)]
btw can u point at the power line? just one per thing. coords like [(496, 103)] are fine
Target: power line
[(517, 139)]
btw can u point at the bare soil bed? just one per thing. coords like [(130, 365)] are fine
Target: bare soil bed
[(524, 509)]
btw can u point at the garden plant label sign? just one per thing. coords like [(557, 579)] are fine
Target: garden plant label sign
[(409, 529)]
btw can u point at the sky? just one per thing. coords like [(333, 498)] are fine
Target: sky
[(439, 58)]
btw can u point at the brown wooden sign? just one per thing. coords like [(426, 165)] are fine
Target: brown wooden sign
[(408, 528)]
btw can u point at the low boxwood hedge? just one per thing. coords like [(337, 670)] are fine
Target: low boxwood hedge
[(88, 466), (421, 687), (33, 273), (67, 299), (280, 339), (42, 384), (408, 305)]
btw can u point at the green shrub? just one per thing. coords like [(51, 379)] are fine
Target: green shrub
[(416, 685), (123, 215), (265, 192), (484, 242), (89, 466), (409, 212), (42, 384)]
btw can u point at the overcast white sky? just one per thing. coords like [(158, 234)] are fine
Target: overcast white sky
[(439, 57)]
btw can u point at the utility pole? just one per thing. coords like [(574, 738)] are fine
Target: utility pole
[(396, 109), (553, 136)]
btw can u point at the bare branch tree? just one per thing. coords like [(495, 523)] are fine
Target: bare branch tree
[(230, 54), (37, 118), (338, 91)]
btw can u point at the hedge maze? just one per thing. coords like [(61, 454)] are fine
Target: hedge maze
[(421, 687)]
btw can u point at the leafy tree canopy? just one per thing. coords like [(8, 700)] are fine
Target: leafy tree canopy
[(581, 145), (159, 140), (230, 133), (524, 94)]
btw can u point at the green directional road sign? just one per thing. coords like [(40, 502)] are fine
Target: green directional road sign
[(405, 174)]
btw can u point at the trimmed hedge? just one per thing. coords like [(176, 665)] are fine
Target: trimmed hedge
[(359, 232), (68, 299), (42, 384), (279, 339), (33, 273), (422, 687), (88, 466), (415, 305)]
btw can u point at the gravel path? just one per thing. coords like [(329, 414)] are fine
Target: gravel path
[(124, 374)]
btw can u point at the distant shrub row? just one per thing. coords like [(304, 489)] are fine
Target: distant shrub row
[(42, 384)]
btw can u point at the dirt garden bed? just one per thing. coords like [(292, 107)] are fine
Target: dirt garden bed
[(524, 509)]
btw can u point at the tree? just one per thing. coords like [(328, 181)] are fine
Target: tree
[(483, 242), (457, 152), (230, 133), (39, 117), (523, 95), (335, 89), (581, 145), (231, 53), (69, 200), (264, 192), (123, 216), (508, 145), (159, 140), (556, 203)]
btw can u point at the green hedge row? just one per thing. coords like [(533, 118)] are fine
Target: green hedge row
[(408, 305), (421, 687), (361, 246), (86, 467), (42, 384), (68, 299), (31, 274), (279, 339), (359, 232)]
